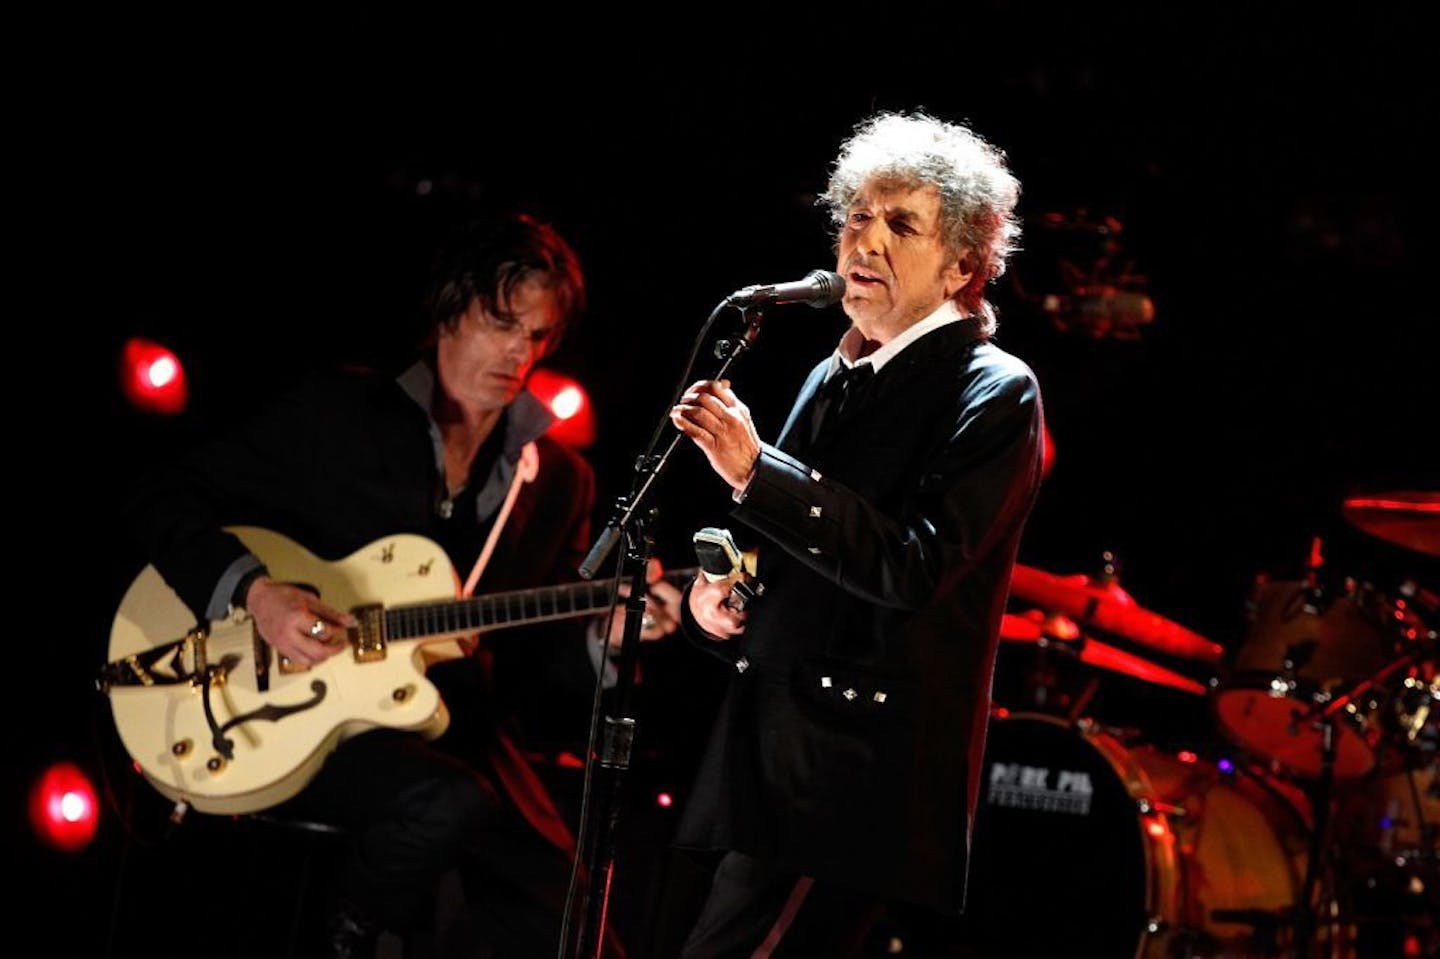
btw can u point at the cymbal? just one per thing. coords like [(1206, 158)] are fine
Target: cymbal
[(1107, 607), (1061, 633), (1409, 518)]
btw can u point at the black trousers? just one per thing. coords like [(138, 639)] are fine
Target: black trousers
[(438, 856), (758, 910)]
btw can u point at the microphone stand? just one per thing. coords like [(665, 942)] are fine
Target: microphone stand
[(631, 522)]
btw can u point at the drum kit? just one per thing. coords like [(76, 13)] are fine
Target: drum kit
[(1305, 826)]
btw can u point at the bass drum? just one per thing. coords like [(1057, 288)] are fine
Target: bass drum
[(1087, 846)]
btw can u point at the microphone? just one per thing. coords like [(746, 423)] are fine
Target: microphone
[(819, 289)]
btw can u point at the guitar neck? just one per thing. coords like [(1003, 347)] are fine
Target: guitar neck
[(519, 607)]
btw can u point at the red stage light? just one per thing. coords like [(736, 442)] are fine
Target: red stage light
[(574, 416), (152, 378), (63, 809), (665, 800)]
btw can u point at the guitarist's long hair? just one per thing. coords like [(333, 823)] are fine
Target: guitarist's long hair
[(486, 260)]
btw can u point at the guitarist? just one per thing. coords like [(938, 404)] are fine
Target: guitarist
[(344, 460)]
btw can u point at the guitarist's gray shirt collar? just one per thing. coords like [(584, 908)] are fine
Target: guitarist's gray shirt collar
[(525, 420)]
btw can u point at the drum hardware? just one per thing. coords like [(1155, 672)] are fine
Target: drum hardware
[(1413, 706), (1148, 805), (1325, 717), (1305, 925), (1082, 702), (1389, 827)]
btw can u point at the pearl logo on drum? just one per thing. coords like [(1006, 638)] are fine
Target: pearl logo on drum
[(1029, 787)]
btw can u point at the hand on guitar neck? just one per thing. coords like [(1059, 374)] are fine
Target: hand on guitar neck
[(662, 608)]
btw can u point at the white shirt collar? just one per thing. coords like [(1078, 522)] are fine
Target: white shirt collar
[(852, 341)]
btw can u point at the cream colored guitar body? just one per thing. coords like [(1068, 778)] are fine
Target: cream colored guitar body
[(165, 728)]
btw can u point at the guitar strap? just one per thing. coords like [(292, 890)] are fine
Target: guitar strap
[(516, 775), (526, 469)]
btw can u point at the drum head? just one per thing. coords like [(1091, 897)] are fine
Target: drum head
[(1057, 861), (1305, 647), (1283, 729)]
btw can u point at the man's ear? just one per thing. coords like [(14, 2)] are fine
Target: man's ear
[(957, 275)]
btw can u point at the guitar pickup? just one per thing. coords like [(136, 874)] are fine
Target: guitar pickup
[(368, 638)]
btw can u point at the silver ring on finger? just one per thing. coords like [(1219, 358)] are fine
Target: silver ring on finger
[(317, 628), (647, 621)]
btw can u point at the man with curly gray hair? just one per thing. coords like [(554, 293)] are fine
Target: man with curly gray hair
[(977, 194), (843, 773)]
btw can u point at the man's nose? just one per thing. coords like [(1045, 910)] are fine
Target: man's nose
[(871, 239), (519, 346)]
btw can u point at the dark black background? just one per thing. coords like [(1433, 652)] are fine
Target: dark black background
[(261, 194)]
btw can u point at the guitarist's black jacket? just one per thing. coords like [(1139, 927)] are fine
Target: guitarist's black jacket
[(345, 459)]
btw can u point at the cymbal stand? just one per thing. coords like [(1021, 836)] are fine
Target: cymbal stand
[(1041, 678), (1305, 912), (1321, 796), (1082, 702)]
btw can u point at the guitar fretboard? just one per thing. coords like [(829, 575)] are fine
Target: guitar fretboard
[(515, 608)]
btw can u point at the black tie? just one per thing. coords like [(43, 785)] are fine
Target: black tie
[(837, 394)]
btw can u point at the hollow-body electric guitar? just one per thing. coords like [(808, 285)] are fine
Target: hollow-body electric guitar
[(213, 717)]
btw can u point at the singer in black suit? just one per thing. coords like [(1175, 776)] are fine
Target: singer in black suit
[(842, 771)]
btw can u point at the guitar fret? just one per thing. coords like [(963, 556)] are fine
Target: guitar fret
[(478, 613)]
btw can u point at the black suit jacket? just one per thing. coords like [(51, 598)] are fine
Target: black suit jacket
[(850, 742)]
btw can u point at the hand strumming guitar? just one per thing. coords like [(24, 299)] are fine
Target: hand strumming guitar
[(294, 621)]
